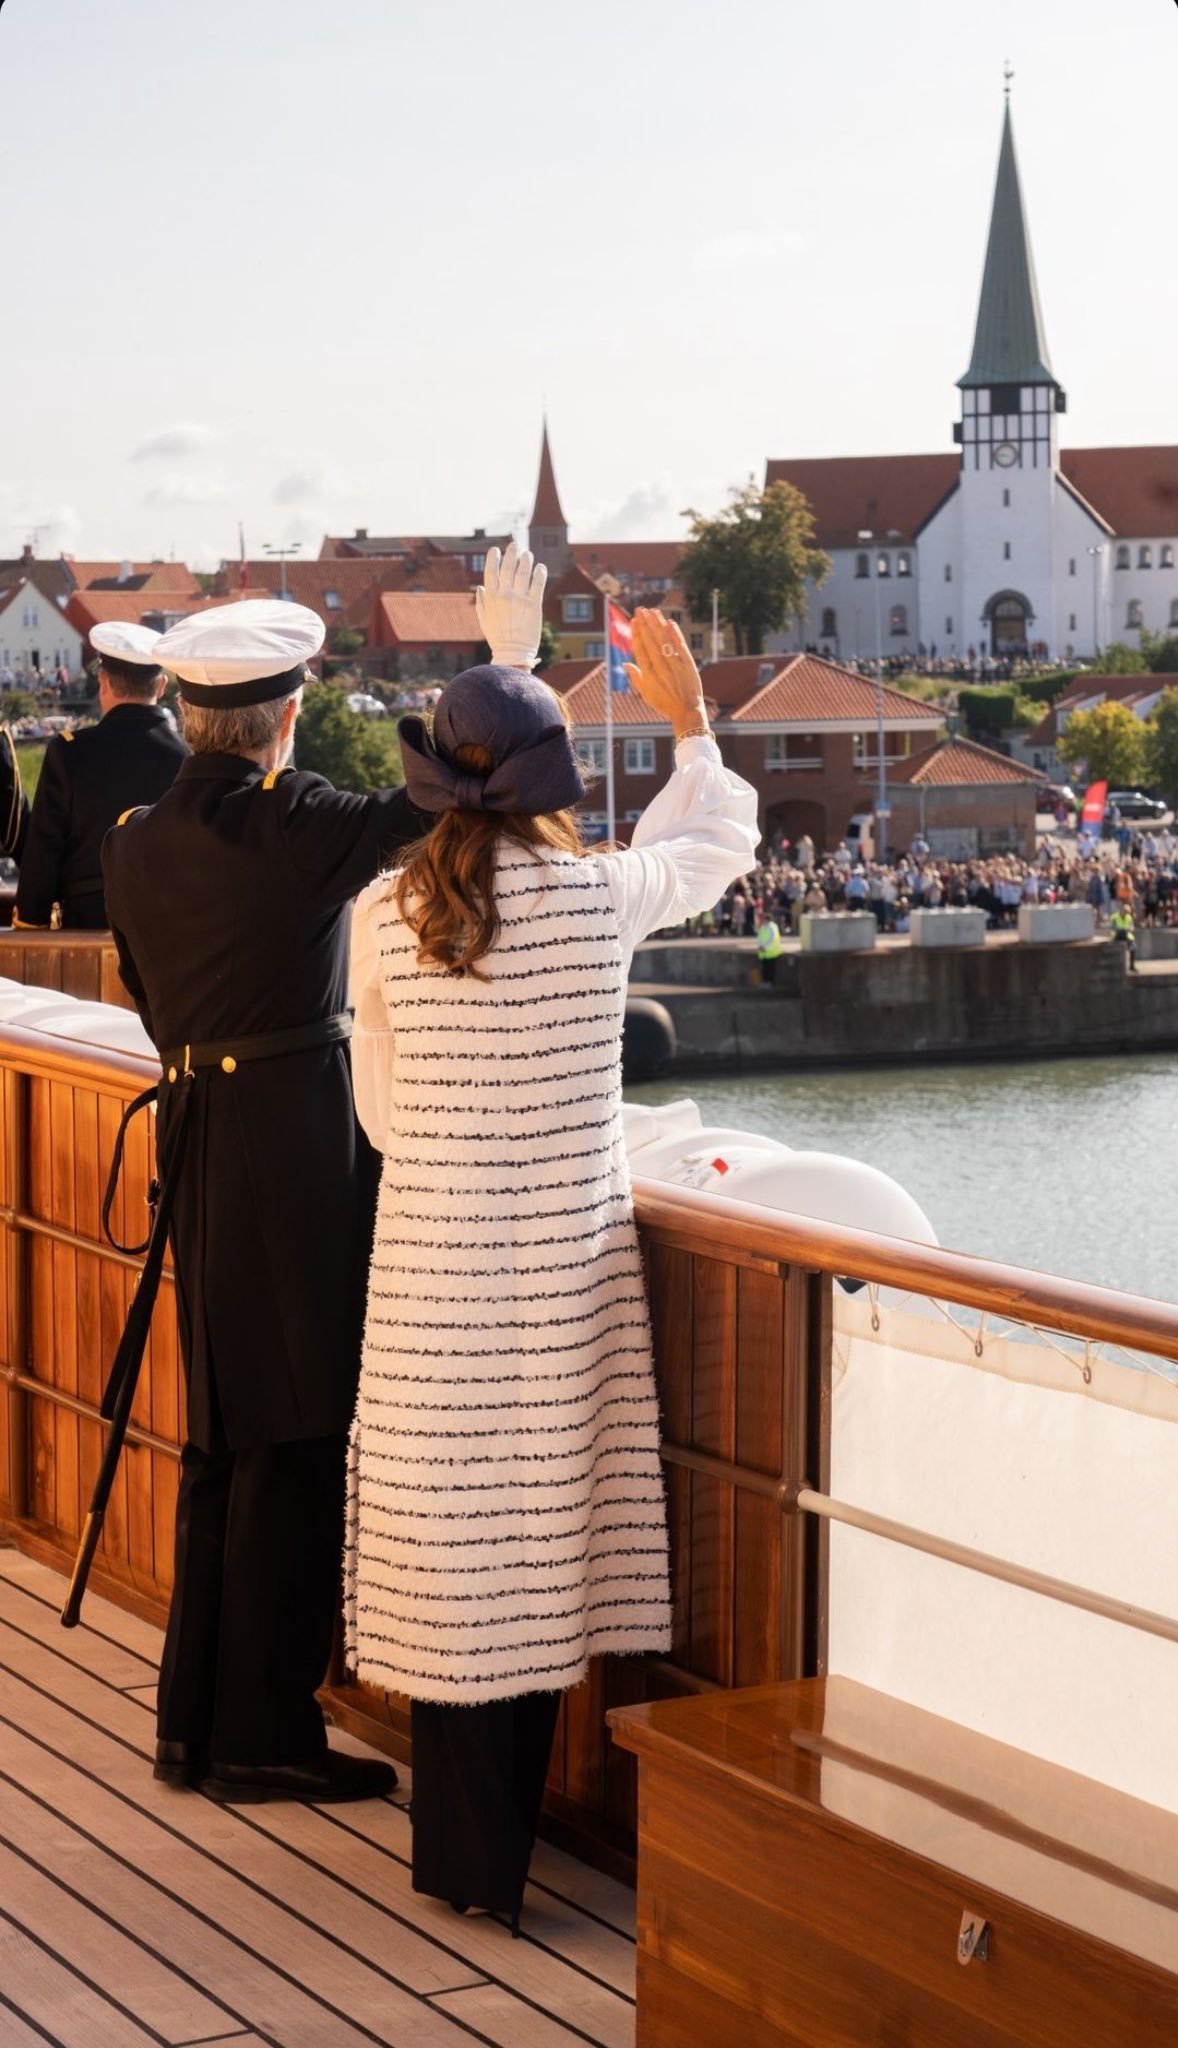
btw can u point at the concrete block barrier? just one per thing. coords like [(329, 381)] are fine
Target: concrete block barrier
[(947, 927), (838, 931), (1055, 924)]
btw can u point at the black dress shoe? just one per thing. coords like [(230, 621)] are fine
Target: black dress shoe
[(180, 1763), (330, 1781)]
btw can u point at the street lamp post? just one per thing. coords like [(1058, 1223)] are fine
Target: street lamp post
[(281, 553), (1096, 553), (881, 801)]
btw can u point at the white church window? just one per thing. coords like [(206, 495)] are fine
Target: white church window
[(1166, 560), (1173, 615), (1071, 622), (830, 624), (1006, 551), (1006, 500), (948, 572), (862, 567), (948, 625), (1145, 556), (899, 617), (1072, 566), (903, 565), (1134, 617), (884, 565), (1122, 558)]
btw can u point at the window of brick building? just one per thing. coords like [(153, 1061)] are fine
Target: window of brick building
[(639, 757)]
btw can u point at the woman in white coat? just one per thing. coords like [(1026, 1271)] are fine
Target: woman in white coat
[(506, 1511)]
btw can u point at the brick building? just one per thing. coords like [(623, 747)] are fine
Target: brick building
[(422, 635), (802, 730), (965, 800)]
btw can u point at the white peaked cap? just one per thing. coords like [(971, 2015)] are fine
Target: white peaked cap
[(241, 653), (124, 642)]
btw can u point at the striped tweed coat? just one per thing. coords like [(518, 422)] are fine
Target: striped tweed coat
[(506, 1518)]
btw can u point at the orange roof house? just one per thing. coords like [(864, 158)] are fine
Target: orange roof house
[(422, 635)]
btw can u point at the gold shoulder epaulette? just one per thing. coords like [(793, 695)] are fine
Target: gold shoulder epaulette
[(269, 780), (67, 734), (132, 813)]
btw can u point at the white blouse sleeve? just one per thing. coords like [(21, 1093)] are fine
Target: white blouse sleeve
[(696, 837), (372, 1037)]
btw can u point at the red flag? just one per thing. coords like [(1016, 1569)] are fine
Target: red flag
[(1092, 815)]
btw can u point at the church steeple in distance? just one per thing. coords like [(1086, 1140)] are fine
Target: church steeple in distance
[(1010, 346), (548, 529)]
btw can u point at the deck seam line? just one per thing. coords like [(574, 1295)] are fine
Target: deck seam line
[(164, 1891), (139, 1940), (404, 1864), (33, 2025), (72, 1970), (87, 1627), (565, 1961)]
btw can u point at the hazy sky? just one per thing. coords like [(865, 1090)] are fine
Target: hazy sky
[(314, 263)]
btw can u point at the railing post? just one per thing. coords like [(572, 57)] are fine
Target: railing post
[(16, 1254)]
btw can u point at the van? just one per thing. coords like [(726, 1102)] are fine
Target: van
[(860, 835)]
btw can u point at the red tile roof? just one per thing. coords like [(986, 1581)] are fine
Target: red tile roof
[(627, 559), (306, 582), (432, 618), (87, 608), (1134, 489), (808, 691), (853, 493), (564, 676), (961, 764), (146, 575), (799, 690)]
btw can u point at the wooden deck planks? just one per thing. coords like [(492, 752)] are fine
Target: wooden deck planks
[(282, 1925)]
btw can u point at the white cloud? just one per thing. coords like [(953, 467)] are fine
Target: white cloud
[(301, 487), (191, 490), (53, 528), (651, 512), (748, 250), (185, 438)]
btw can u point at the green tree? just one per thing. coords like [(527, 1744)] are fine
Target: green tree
[(346, 640), (1161, 746), (1119, 660), (1109, 741), (1161, 653), (352, 752), (549, 646), (759, 554)]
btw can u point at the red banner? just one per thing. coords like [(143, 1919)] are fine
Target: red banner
[(1092, 815)]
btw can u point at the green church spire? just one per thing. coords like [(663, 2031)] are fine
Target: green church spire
[(1009, 343)]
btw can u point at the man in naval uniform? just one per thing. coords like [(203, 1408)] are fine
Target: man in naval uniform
[(14, 804), (89, 778), (229, 905)]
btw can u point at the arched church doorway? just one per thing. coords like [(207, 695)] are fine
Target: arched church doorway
[(792, 818), (1009, 616)]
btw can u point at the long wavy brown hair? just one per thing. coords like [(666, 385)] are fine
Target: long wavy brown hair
[(445, 886)]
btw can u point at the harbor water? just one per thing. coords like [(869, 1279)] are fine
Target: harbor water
[(1067, 1165)]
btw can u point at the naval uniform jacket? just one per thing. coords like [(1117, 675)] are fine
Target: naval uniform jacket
[(14, 804), (505, 1505), (88, 779), (229, 906)]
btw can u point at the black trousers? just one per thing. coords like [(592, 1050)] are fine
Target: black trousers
[(259, 1537), (478, 1780)]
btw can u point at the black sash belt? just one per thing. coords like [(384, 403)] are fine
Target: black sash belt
[(180, 1073)]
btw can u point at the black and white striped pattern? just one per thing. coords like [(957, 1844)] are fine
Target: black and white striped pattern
[(505, 1515)]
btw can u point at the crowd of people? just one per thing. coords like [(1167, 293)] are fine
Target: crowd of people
[(1134, 873)]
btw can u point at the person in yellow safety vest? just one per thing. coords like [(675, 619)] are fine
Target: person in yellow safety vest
[(1125, 933), (769, 948)]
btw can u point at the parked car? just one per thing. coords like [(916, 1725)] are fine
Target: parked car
[(1052, 794), (365, 705), (1133, 803)]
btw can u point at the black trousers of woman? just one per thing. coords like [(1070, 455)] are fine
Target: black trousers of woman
[(478, 1780)]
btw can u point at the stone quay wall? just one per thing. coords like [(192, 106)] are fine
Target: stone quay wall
[(906, 1003)]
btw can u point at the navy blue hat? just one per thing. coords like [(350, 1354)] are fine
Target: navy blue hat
[(519, 721)]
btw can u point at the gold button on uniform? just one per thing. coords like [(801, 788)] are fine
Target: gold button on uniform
[(229, 1064), (171, 1073)]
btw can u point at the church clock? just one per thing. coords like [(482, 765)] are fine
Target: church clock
[(1005, 454)]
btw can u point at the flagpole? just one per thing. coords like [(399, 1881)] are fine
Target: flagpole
[(609, 719)]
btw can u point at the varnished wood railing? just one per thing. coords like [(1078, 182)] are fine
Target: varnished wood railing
[(740, 1306), (81, 964)]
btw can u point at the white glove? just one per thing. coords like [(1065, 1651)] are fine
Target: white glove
[(510, 606)]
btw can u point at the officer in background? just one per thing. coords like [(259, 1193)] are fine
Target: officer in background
[(229, 905), (90, 777), (14, 804)]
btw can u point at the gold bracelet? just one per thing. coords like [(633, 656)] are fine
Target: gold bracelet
[(696, 732)]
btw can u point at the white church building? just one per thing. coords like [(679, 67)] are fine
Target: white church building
[(1012, 544)]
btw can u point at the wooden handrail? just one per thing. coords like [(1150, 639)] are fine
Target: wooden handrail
[(86, 942), (1042, 1300), (31, 1051)]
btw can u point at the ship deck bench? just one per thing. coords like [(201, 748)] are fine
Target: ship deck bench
[(821, 1864)]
